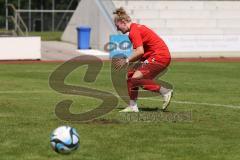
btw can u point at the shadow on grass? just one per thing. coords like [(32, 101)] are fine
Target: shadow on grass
[(147, 109)]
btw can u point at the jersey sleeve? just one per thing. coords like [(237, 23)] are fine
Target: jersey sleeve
[(135, 38)]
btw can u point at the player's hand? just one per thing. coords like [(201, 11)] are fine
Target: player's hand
[(120, 63)]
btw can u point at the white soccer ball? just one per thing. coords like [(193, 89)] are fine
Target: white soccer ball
[(64, 139)]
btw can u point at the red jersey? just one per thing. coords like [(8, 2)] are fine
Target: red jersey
[(153, 45)]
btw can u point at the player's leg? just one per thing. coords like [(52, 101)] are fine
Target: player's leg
[(133, 94), (149, 72), (154, 70), (134, 81), (143, 77)]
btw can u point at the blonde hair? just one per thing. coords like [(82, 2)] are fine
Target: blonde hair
[(121, 15)]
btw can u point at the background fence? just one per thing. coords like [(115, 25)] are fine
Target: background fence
[(39, 15)]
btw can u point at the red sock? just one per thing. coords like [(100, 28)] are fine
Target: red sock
[(132, 91)]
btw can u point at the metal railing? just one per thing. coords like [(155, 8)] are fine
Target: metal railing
[(17, 21)]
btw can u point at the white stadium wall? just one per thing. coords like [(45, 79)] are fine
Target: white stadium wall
[(191, 28), (20, 48), (90, 13)]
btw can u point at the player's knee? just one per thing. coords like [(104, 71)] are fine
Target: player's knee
[(137, 75), (134, 82)]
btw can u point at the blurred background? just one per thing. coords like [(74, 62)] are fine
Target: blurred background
[(38, 17), (191, 28)]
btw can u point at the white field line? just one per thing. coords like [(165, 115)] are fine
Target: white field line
[(153, 99), (197, 103)]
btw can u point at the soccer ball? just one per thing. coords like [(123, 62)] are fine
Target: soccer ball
[(64, 139)]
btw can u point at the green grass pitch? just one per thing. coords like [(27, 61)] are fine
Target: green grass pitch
[(209, 90)]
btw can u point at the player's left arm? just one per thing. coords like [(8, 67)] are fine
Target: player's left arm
[(137, 42), (137, 54), (121, 62), (138, 51)]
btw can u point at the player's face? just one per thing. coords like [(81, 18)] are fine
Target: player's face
[(122, 26)]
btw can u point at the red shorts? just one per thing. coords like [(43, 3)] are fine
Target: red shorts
[(150, 68)]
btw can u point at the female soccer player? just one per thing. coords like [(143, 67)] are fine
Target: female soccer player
[(151, 51)]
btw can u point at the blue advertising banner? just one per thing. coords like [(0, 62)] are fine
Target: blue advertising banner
[(120, 45)]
